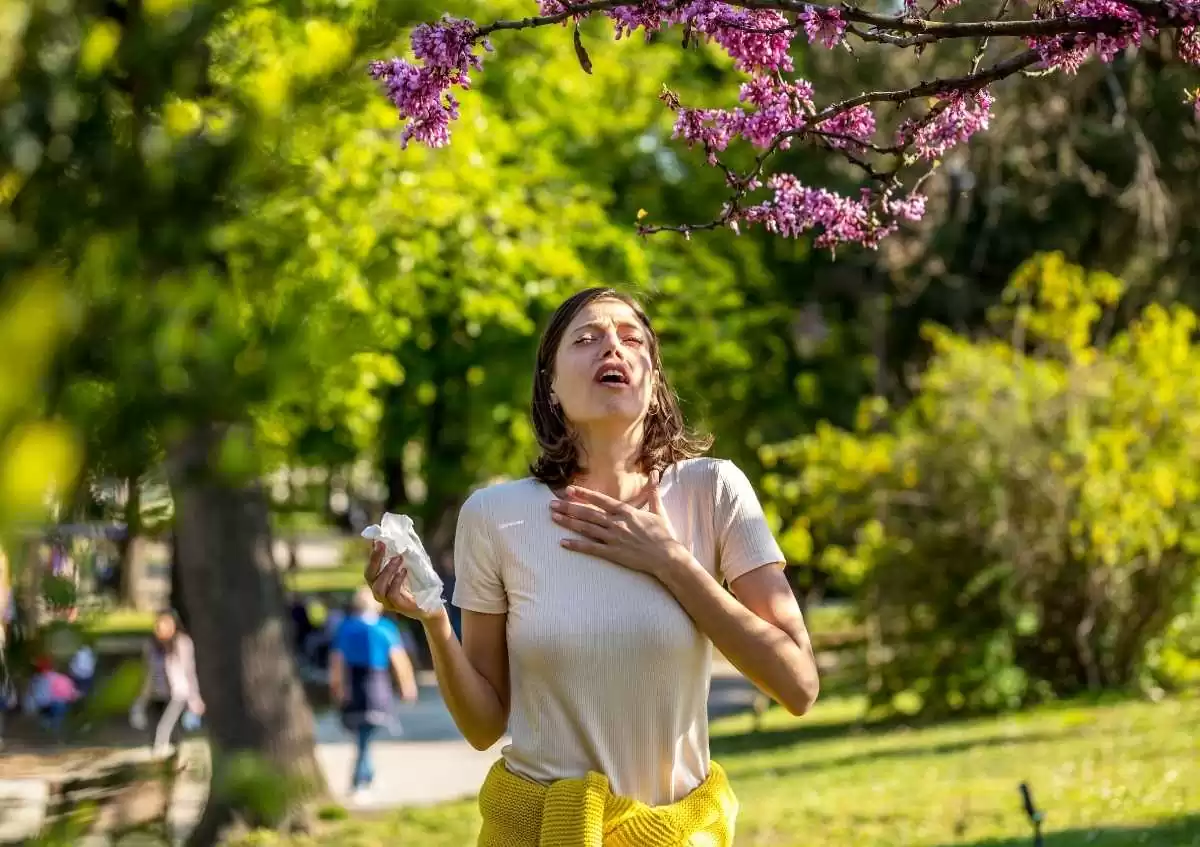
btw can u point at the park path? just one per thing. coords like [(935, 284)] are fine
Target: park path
[(427, 761)]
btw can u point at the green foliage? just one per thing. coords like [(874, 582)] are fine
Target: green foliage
[(116, 691), (1174, 657), (1026, 527), (37, 456), (257, 789)]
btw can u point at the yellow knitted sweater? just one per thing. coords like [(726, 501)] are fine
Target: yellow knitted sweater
[(518, 812)]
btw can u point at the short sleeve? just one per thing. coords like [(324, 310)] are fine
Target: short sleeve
[(478, 586), (744, 539), (391, 633), (338, 644)]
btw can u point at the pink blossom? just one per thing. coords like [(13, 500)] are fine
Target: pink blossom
[(1189, 44), (779, 107), (650, 15), (849, 128), (449, 45), (1068, 52), (956, 118), (422, 96), (756, 39), (910, 208), (824, 25), (551, 7), (421, 93), (797, 209), (775, 106), (713, 129)]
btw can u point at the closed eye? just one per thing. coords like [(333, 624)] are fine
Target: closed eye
[(631, 339)]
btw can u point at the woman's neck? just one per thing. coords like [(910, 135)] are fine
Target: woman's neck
[(612, 466)]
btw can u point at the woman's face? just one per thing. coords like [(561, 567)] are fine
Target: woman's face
[(603, 370), (164, 628)]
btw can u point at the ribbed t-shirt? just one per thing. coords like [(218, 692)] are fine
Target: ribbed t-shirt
[(608, 673)]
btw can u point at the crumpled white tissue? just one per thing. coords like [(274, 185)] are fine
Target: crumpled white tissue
[(400, 539)]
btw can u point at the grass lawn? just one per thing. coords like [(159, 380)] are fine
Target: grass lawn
[(1105, 775)]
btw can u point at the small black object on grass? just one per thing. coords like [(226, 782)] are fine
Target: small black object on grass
[(1035, 816)]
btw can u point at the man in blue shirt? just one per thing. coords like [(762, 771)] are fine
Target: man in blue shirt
[(366, 655)]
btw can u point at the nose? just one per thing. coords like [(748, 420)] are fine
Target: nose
[(612, 342)]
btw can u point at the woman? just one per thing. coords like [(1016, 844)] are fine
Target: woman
[(367, 654), (170, 696), (592, 595)]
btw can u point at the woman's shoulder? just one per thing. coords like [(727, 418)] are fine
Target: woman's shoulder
[(500, 500), (706, 472)]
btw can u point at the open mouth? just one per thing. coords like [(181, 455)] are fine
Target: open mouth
[(612, 375)]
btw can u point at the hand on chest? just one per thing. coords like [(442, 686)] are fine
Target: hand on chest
[(564, 601)]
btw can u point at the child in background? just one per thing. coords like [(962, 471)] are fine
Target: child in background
[(51, 694)]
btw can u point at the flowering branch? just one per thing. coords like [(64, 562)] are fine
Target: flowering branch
[(776, 110)]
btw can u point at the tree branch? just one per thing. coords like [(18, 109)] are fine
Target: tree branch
[(776, 109), (931, 30)]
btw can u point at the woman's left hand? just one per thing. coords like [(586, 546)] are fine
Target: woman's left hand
[(639, 539)]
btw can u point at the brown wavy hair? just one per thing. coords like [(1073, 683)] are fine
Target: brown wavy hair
[(666, 438)]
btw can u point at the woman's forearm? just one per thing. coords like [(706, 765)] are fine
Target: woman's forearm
[(479, 711), (403, 673), (337, 678), (778, 662)]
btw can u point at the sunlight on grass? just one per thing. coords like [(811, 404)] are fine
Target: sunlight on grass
[(825, 781), (118, 622), (320, 580), (1106, 776)]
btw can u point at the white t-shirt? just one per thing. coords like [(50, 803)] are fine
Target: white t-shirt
[(608, 672)]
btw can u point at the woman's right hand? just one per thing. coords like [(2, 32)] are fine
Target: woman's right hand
[(388, 582)]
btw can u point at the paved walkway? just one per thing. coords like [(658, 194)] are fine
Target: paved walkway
[(423, 761)]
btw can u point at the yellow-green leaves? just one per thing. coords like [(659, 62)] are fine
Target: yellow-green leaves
[(100, 44), (1042, 480)]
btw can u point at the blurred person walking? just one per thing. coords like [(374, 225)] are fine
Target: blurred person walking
[(367, 654), (170, 698)]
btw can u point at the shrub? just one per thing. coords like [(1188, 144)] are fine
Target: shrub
[(1027, 526)]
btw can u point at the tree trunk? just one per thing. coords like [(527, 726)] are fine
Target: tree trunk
[(293, 557), (127, 561), (396, 497), (255, 699), (177, 602)]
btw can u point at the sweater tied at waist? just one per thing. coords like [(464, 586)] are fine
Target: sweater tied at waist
[(584, 812)]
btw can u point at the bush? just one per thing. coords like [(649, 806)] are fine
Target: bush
[(1027, 526)]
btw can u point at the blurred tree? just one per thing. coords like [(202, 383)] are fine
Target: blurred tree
[(130, 148)]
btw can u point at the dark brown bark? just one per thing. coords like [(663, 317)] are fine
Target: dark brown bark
[(255, 699), (177, 601), (396, 500)]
